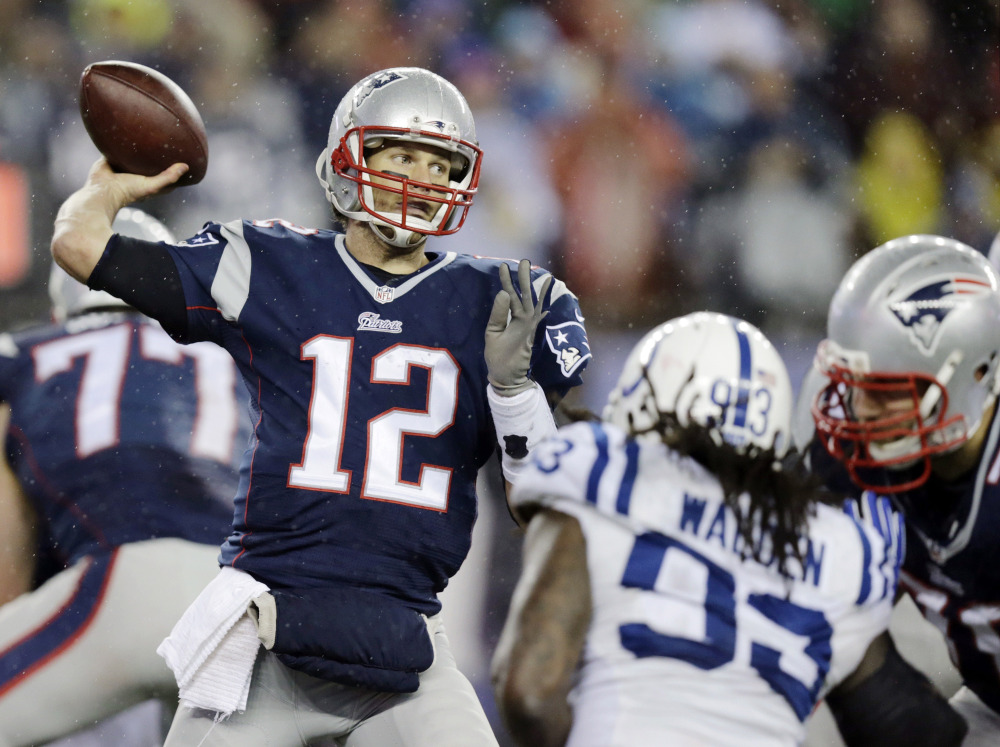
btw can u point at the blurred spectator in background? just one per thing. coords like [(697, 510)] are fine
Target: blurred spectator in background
[(976, 185), (919, 56), (620, 167), (900, 179), (518, 211)]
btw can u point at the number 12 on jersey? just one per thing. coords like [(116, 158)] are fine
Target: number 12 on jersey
[(321, 467)]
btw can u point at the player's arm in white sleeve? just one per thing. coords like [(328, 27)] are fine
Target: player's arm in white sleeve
[(83, 223), (543, 637), (17, 528), (519, 407)]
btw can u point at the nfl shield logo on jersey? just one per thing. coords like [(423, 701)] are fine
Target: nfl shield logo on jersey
[(384, 294)]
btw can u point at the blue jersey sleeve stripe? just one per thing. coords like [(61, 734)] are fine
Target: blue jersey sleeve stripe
[(600, 462), (866, 563), (890, 527), (628, 479)]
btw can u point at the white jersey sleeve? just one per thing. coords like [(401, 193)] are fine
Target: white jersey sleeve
[(690, 638)]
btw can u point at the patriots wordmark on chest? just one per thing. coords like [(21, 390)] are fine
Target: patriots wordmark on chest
[(369, 320)]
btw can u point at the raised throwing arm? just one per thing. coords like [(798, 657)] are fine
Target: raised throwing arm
[(83, 223)]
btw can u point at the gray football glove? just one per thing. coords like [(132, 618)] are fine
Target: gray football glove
[(508, 343)]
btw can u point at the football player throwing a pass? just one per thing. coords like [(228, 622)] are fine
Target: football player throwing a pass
[(382, 376)]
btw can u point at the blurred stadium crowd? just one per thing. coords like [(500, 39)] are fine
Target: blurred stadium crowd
[(659, 156), (734, 155)]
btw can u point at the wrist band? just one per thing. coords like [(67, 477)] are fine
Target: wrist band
[(521, 422)]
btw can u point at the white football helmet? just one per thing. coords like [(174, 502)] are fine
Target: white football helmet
[(70, 297), (916, 319), (711, 369), (409, 104)]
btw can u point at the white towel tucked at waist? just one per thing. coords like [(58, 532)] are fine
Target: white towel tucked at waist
[(212, 648)]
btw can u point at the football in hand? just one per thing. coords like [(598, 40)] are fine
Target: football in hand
[(142, 121)]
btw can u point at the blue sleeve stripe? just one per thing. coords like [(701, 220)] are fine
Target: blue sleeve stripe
[(600, 463), (746, 368), (866, 578), (628, 479), (890, 526)]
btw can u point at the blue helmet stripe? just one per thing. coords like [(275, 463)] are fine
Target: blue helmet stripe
[(740, 411), (628, 479)]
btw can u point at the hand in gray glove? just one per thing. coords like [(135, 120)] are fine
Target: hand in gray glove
[(508, 344)]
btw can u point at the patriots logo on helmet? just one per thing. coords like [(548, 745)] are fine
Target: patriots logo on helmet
[(378, 81), (923, 310)]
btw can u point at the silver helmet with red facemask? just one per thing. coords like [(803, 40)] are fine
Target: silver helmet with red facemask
[(913, 334), (408, 105)]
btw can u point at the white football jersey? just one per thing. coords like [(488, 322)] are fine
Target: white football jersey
[(690, 643)]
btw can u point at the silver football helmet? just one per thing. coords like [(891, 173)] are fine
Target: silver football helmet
[(711, 369), (409, 104), (993, 253), (916, 322), (70, 297)]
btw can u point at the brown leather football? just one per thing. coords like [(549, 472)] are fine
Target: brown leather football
[(142, 121)]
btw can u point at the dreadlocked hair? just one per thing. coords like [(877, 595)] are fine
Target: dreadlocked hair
[(781, 491)]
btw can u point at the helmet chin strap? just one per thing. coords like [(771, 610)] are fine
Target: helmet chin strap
[(933, 395), (404, 239)]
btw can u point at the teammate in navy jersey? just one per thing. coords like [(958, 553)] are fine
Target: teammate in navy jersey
[(125, 447), (908, 409), (683, 585), (382, 376)]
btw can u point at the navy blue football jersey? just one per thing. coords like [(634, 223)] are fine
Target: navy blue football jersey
[(952, 562), (118, 434), (368, 400)]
